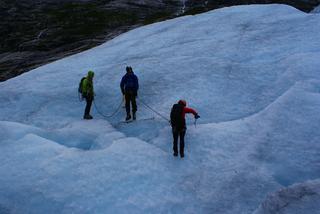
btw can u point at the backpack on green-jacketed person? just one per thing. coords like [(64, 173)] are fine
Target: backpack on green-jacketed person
[(80, 86)]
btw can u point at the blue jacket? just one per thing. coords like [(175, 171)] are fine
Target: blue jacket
[(129, 83)]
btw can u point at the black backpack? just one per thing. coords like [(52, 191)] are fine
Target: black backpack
[(80, 85), (176, 118)]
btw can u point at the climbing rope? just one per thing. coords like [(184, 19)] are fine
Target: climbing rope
[(146, 105), (111, 115)]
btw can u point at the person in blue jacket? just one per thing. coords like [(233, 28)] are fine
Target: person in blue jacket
[(129, 87)]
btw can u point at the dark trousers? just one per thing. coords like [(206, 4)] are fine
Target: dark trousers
[(176, 135), (88, 106), (130, 97)]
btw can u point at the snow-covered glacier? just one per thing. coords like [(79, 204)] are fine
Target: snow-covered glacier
[(252, 73)]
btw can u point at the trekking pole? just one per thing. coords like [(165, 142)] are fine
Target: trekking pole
[(188, 147), (195, 123), (80, 97)]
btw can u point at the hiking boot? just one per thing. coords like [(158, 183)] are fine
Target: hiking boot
[(87, 117), (128, 117), (182, 155), (175, 154), (134, 116)]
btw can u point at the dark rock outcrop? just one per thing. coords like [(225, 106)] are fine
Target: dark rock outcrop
[(35, 32), (196, 6)]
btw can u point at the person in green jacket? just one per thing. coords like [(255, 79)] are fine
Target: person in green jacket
[(88, 94)]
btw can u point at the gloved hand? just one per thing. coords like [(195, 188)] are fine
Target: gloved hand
[(196, 116)]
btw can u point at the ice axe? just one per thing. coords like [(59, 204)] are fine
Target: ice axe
[(196, 117)]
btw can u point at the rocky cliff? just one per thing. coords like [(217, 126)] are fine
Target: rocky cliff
[(304, 5), (35, 32)]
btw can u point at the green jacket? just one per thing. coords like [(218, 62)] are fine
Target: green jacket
[(87, 85)]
